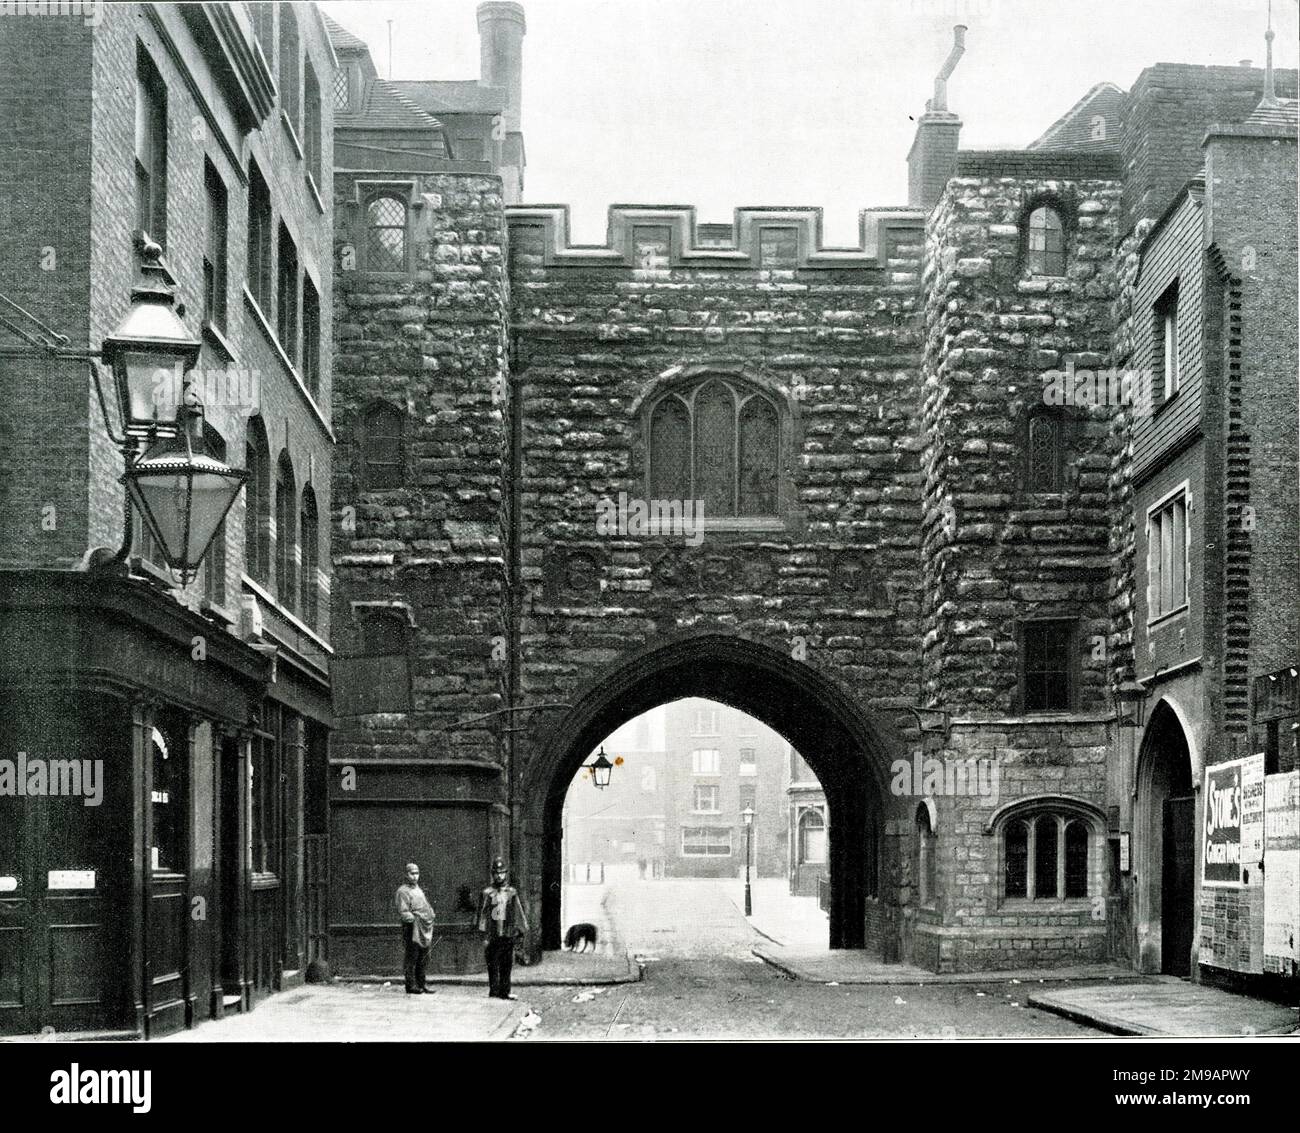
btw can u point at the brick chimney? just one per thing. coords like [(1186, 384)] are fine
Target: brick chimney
[(933, 156), (501, 28)]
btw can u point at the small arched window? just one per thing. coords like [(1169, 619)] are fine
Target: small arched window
[(1046, 855), (926, 858), (812, 838), (286, 530), (386, 234), (257, 503), (382, 456), (309, 536), (718, 442), (1045, 242)]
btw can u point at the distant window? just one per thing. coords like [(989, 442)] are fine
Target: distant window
[(718, 442), (706, 842), (1046, 651), (706, 761), (1045, 242), (286, 317), (289, 79), (150, 150), (386, 234), (1045, 453), (382, 453), (310, 336), (309, 538), (706, 722), (1165, 355), (286, 528), (216, 226), (706, 798), (748, 761), (812, 838), (1167, 556), (341, 89), (311, 124), (1046, 855), (260, 237)]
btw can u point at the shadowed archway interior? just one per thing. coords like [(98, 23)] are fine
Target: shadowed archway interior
[(805, 707)]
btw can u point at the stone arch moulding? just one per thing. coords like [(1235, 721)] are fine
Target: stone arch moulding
[(931, 812), (1195, 756), (849, 753), (1079, 807)]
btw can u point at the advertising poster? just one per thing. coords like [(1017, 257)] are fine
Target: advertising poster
[(1282, 873), (1222, 856), (1252, 813)]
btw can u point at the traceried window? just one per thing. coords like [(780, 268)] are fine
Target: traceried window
[(1045, 450), (383, 464), (1046, 856), (706, 842), (1045, 242), (386, 234), (719, 442), (1167, 556)]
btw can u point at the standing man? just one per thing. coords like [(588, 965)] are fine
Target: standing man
[(416, 915), (501, 918)]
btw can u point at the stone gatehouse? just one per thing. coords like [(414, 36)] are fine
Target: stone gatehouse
[(912, 559)]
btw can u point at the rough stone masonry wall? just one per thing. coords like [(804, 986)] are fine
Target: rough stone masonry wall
[(432, 343), (995, 553), (839, 349)]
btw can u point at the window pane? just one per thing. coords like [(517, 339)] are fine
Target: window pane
[(341, 89), (166, 845), (286, 515), (670, 451), (715, 450), (386, 223), (1178, 559), (1017, 844), (758, 457), (1166, 562), (1045, 856), (1046, 665), (1044, 454), (1076, 860), (1046, 243), (384, 465), (1153, 565)]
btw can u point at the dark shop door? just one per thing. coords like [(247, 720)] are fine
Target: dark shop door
[(1178, 878)]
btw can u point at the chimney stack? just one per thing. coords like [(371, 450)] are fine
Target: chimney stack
[(501, 28), (933, 156)]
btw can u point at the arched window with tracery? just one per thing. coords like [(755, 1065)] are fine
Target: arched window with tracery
[(718, 441), (1047, 854), (386, 233), (1045, 470)]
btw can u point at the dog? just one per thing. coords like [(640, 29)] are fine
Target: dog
[(580, 934)]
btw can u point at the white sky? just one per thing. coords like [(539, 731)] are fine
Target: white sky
[(720, 103)]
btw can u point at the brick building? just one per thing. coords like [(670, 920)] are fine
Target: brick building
[(194, 884), (930, 538)]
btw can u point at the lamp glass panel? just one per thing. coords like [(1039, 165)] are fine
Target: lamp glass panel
[(153, 385)]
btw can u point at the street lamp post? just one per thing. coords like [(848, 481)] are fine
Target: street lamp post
[(748, 815)]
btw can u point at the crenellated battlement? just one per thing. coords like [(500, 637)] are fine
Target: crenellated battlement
[(661, 237)]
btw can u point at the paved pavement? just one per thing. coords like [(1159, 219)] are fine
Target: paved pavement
[(1164, 1005)]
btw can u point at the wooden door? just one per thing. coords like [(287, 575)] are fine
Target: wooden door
[(1178, 879)]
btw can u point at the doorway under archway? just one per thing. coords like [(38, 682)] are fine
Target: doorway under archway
[(1166, 847), (846, 751)]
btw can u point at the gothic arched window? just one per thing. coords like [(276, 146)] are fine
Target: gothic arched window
[(1046, 854), (286, 529), (1045, 242), (719, 442), (386, 234), (1044, 472), (926, 858), (309, 537)]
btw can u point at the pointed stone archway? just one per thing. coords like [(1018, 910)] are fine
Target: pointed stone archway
[(848, 752)]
